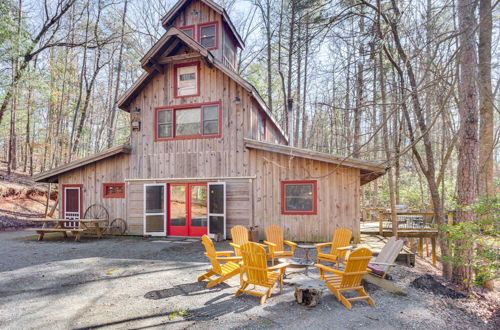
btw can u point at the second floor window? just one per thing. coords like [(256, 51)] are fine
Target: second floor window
[(195, 121), (207, 34), (189, 30), (187, 82)]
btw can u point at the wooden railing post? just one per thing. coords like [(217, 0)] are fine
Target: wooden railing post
[(380, 224)]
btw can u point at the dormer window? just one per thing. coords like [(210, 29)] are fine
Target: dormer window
[(186, 79), (208, 35), (189, 30)]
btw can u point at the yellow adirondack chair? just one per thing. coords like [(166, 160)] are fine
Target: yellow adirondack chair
[(276, 243), (339, 246), (240, 237), (255, 271), (350, 278), (225, 271)]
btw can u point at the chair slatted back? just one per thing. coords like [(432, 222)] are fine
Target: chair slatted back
[(240, 237), (355, 268), (341, 237), (211, 254), (389, 252), (274, 234), (254, 263)]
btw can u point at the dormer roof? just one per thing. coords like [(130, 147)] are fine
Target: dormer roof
[(167, 20)]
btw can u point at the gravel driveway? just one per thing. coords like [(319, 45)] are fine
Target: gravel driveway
[(131, 282)]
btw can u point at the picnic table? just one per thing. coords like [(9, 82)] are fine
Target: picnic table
[(74, 226)]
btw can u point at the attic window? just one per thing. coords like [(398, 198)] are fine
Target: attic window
[(261, 126), (189, 30), (207, 35), (186, 79)]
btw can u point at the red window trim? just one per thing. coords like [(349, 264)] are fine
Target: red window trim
[(315, 197), (187, 106), (108, 184), (64, 202), (180, 65), (216, 23), (190, 27)]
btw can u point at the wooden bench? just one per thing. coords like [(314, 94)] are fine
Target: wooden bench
[(41, 231)]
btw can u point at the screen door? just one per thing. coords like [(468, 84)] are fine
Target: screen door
[(217, 209), (154, 209)]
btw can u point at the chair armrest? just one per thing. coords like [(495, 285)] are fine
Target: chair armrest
[(234, 245), (382, 263), (224, 253), (269, 244), (290, 243), (345, 248), (319, 246), (229, 258), (279, 266), (328, 269)]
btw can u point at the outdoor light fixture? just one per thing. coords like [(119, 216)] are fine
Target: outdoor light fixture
[(135, 119)]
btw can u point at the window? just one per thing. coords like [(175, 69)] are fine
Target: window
[(299, 197), (261, 121), (229, 51), (208, 35), (113, 190), (186, 79), (188, 121), (189, 30)]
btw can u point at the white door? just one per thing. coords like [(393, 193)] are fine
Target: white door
[(155, 210), (217, 209)]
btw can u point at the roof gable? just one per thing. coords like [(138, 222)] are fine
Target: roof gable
[(181, 5), (165, 46)]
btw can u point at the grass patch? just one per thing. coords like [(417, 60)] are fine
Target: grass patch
[(181, 313)]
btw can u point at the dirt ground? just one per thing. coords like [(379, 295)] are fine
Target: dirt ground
[(131, 282)]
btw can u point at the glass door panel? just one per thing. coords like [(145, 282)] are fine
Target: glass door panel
[(178, 210), (217, 209), (198, 210)]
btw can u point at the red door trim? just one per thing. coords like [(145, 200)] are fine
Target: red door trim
[(64, 202), (188, 226)]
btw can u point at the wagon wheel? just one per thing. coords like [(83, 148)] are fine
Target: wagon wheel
[(97, 211), (117, 227)]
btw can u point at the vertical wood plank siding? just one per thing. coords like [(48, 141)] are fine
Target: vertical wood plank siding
[(338, 196)]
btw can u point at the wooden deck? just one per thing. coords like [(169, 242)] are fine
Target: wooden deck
[(375, 243), (373, 228)]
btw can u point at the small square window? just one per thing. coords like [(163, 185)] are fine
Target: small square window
[(299, 197), (207, 35), (113, 190)]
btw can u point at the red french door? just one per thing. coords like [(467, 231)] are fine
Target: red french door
[(187, 209)]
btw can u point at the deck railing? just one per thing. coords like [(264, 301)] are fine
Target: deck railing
[(410, 221)]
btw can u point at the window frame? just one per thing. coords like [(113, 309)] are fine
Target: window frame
[(314, 210), (176, 108), (198, 74), (109, 184), (198, 33), (189, 27)]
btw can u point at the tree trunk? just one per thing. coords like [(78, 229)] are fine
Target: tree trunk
[(468, 147), (486, 129)]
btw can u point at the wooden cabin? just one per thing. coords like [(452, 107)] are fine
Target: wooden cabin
[(205, 153)]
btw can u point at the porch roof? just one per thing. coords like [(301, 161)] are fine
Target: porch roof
[(369, 170), (52, 175)]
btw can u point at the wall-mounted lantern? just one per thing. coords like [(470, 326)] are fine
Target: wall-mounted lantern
[(135, 119)]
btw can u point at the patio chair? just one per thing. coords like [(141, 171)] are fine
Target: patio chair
[(239, 235), (276, 243), (225, 271), (381, 265), (350, 278), (339, 246), (254, 270)]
